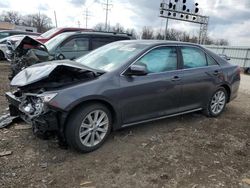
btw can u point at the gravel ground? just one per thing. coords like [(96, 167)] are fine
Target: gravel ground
[(186, 151)]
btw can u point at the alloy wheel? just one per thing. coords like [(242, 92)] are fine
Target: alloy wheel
[(218, 102), (93, 128)]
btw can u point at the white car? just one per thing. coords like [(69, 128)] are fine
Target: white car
[(3, 46)]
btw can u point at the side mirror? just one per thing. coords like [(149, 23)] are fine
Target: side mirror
[(137, 70), (225, 57)]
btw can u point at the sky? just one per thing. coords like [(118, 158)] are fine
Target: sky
[(228, 19)]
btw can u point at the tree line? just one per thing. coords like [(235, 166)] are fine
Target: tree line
[(40, 21), (43, 23)]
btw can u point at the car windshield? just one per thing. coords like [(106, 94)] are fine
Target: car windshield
[(49, 33), (50, 45), (111, 56)]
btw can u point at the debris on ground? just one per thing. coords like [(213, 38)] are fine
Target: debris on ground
[(6, 120), (246, 181), (5, 153), (22, 126)]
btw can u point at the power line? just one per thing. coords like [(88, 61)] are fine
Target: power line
[(107, 8), (86, 16)]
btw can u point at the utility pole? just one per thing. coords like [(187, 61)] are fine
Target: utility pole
[(55, 17), (86, 16), (107, 8), (166, 30)]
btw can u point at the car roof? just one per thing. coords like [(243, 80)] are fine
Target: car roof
[(97, 33), (158, 42)]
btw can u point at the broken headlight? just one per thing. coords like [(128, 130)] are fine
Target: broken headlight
[(47, 97), (34, 105)]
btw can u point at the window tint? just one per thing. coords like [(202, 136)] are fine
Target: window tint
[(3, 35), (193, 57), (211, 61), (77, 44), (82, 44), (98, 42), (160, 60), (69, 46)]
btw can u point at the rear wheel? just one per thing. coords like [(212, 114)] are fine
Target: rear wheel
[(88, 127), (217, 103)]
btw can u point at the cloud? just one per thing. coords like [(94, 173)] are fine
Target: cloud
[(4, 4), (43, 7), (78, 3)]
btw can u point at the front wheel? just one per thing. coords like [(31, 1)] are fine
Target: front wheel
[(88, 127), (217, 103)]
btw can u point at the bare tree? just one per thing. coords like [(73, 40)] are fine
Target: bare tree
[(40, 21), (147, 33), (132, 32), (99, 27), (11, 17), (118, 28), (222, 42), (159, 35)]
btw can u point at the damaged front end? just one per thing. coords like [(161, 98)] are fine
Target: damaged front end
[(34, 109), (38, 86), (24, 53)]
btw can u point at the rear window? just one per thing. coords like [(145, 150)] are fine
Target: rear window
[(101, 41), (98, 42)]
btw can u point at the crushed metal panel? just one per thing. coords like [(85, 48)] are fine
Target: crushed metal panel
[(6, 120)]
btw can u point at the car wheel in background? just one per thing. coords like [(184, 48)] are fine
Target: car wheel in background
[(88, 127), (247, 71), (217, 103)]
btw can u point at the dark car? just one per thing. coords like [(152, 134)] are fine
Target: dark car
[(8, 33), (72, 45), (56, 31), (121, 84)]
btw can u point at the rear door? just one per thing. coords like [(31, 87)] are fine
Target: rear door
[(199, 76), (156, 94)]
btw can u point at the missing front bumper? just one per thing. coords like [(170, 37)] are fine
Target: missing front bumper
[(41, 124)]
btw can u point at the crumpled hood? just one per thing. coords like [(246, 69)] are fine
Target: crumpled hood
[(42, 71)]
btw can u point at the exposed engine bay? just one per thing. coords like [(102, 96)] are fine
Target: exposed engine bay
[(37, 85)]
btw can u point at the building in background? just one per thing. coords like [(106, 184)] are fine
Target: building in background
[(10, 26)]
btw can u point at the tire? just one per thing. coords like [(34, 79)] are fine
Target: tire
[(2, 55), (216, 103), (83, 121), (248, 71)]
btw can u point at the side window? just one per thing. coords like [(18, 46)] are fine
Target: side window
[(69, 46), (98, 42), (82, 44), (211, 61), (160, 60), (77, 44), (193, 57)]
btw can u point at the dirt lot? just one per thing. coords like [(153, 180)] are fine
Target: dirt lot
[(186, 151)]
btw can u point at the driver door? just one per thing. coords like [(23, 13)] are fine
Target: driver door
[(155, 94)]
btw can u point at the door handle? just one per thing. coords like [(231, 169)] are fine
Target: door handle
[(176, 78)]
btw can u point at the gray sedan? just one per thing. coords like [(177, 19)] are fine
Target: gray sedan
[(121, 84)]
